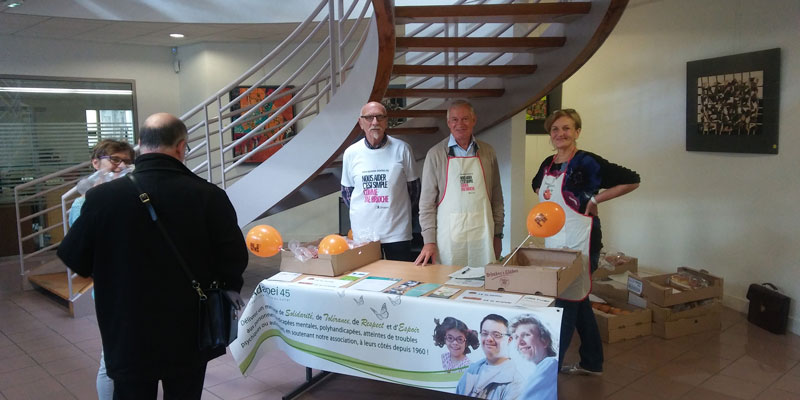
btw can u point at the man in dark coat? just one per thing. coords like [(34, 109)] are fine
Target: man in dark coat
[(146, 308)]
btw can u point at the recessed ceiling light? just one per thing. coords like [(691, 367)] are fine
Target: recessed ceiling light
[(176, 35), (14, 4)]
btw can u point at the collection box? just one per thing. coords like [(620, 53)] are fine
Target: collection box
[(658, 290), (617, 327), (332, 265), (531, 270), (620, 264)]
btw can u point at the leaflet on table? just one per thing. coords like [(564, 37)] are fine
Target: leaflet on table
[(284, 276), (402, 288), (532, 301), (322, 282), (444, 292), (354, 276), (469, 273), (374, 283), (465, 282), (506, 299), (386, 337), (421, 290)]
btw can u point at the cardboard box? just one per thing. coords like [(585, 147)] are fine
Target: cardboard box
[(615, 328), (656, 289), (631, 265), (531, 270), (687, 326), (610, 291), (665, 314), (335, 265)]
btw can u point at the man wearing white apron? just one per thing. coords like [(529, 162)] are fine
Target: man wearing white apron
[(461, 203), (379, 185)]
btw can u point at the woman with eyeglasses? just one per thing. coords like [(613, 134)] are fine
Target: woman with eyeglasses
[(458, 338), (573, 179), (115, 157)]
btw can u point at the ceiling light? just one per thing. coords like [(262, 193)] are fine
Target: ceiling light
[(65, 91), (14, 4), (176, 35)]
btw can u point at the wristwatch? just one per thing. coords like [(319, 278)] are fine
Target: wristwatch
[(499, 235)]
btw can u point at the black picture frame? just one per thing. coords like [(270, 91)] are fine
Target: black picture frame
[(732, 103), (537, 113)]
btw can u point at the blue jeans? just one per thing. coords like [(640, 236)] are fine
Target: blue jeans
[(105, 386), (579, 315)]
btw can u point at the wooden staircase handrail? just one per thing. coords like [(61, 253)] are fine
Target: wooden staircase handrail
[(492, 13)]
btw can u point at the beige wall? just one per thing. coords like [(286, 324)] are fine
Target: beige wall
[(732, 214)]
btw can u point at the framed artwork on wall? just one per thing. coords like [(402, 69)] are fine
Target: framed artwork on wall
[(537, 112), (732, 103), (255, 119)]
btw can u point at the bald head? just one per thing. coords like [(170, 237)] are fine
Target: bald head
[(163, 133), (373, 122)]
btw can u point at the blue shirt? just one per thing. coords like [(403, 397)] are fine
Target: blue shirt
[(471, 150)]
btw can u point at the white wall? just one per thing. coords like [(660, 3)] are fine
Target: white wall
[(149, 66), (732, 214)]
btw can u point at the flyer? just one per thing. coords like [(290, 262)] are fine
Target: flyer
[(374, 283), (507, 299)]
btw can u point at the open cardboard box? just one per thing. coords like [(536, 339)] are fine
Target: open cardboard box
[(332, 265), (632, 265), (617, 327), (656, 289), (531, 270)]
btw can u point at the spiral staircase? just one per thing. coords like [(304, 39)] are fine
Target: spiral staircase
[(502, 56)]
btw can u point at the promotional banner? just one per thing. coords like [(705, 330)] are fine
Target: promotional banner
[(481, 350)]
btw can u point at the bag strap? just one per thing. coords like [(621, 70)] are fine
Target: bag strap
[(145, 199)]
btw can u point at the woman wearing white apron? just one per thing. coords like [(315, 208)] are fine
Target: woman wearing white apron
[(573, 178)]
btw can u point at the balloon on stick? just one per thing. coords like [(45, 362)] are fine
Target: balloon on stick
[(546, 219), (264, 241), (333, 244)]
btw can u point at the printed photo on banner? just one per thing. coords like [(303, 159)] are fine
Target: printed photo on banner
[(483, 350)]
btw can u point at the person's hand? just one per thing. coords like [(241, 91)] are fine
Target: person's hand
[(591, 209), (498, 247), (427, 254)]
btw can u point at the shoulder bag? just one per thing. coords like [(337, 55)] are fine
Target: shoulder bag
[(218, 308)]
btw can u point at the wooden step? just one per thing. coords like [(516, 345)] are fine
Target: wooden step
[(57, 284), (494, 13), (417, 113), (412, 131), (480, 44), (463, 70), (444, 93)]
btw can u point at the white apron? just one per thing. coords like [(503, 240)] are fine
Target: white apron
[(465, 226), (574, 235)]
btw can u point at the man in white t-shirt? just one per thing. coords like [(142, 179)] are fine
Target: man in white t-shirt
[(380, 184)]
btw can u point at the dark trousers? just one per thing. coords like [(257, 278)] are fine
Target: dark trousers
[(184, 387), (397, 251), (579, 315)]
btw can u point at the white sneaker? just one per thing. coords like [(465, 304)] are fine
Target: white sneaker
[(576, 369)]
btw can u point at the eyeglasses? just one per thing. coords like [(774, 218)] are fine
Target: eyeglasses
[(462, 120), (495, 334), (116, 160), (451, 339), (369, 118)]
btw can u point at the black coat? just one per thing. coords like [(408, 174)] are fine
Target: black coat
[(146, 308)]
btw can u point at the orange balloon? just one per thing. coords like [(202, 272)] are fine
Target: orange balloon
[(264, 241), (333, 244), (350, 234), (546, 219)]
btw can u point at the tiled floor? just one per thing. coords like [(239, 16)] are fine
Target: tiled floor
[(45, 354)]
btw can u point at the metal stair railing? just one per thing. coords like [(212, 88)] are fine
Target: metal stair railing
[(207, 121)]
